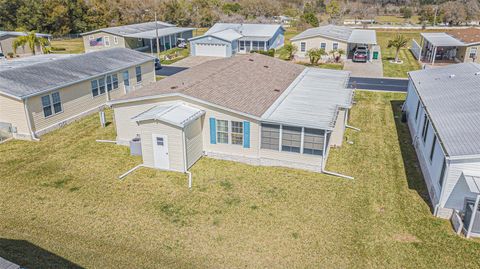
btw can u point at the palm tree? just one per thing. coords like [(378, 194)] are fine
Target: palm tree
[(32, 40), (398, 42), (315, 55), (290, 49)]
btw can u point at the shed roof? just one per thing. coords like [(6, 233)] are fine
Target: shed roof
[(468, 35), (245, 83), (341, 33), (125, 30), (442, 40), (246, 29), (178, 114), (312, 100), (451, 98), (361, 36), (34, 79)]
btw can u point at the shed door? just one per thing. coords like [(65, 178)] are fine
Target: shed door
[(160, 151), (215, 50)]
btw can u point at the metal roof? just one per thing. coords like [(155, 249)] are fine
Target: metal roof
[(473, 181), (442, 39), (336, 32), (178, 114), (363, 37), (30, 80), (6, 33), (228, 35), (125, 30), (161, 32), (246, 29), (451, 98), (312, 100), (26, 61)]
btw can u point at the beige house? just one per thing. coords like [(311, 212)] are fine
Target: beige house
[(334, 38), (282, 114), (7, 39), (37, 98), (140, 37)]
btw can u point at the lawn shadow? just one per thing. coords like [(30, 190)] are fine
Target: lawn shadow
[(413, 172), (28, 255)]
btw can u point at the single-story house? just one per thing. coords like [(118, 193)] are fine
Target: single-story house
[(282, 114), (333, 38), (443, 116), (455, 46), (39, 97), (227, 39), (141, 37), (6, 43)]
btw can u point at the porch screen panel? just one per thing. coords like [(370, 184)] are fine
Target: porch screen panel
[(291, 138), (313, 141), (270, 136)]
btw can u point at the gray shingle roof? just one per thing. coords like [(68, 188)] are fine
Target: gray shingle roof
[(451, 97), (336, 32), (22, 82), (132, 28)]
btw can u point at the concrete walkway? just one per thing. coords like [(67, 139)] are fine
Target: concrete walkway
[(372, 69)]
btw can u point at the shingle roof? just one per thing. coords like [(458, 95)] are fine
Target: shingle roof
[(245, 83), (34, 79), (336, 32), (132, 28), (469, 35), (451, 97)]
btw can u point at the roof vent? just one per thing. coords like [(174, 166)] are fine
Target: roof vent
[(477, 73), (173, 87), (451, 76), (251, 60), (276, 90), (266, 66)]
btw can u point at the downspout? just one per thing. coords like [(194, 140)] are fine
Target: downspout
[(29, 123), (324, 160), (185, 167)]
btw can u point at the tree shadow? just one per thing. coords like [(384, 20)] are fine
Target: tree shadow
[(28, 255), (411, 164)]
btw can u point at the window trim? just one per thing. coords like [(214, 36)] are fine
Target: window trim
[(323, 45), (106, 41), (51, 104), (335, 46), (227, 132), (303, 46), (138, 74), (236, 133)]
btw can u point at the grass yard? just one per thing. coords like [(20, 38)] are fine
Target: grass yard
[(391, 19), (409, 62), (62, 206), (70, 46)]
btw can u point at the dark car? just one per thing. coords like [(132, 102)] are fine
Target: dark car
[(360, 54), (158, 65), (2, 56)]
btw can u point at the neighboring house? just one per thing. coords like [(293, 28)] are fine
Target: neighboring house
[(248, 108), (227, 39), (140, 37), (444, 120), (455, 46), (39, 97), (332, 38), (7, 39)]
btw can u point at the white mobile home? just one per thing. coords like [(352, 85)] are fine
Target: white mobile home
[(282, 114), (444, 120)]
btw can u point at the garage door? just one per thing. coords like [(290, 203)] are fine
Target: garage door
[(216, 50)]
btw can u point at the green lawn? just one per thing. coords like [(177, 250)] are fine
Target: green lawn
[(72, 46), (390, 19), (61, 201)]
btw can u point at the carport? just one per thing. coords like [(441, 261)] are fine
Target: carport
[(438, 46), (361, 37)]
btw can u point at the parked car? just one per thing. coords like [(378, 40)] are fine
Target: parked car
[(360, 54), (2, 56), (158, 65), (181, 43)]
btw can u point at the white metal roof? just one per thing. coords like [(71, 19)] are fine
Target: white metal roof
[(473, 181), (246, 29), (228, 35), (4, 33), (124, 30), (312, 100), (151, 34), (442, 39), (361, 36), (178, 114), (336, 32)]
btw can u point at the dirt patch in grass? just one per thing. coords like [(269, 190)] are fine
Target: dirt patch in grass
[(405, 238)]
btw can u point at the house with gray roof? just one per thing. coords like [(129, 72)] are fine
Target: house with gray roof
[(227, 39), (7, 38), (334, 38), (48, 93), (140, 37), (443, 116), (283, 114)]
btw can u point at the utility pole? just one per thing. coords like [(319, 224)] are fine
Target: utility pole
[(435, 16), (156, 26)]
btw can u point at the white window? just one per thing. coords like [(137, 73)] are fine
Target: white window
[(112, 82), (222, 131), (138, 73), (473, 53), (237, 133), (303, 46), (51, 104), (94, 84), (335, 46), (98, 86), (323, 46), (107, 41), (115, 40)]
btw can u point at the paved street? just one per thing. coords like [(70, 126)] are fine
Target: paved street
[(379, 84)]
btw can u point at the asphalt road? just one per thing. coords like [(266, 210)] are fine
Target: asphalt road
[(379, 84)]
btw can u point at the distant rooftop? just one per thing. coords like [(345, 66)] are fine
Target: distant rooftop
[(340, 33), (452, 99), (469, 35), (131, 29), (26, 61), (247, 29), (11, 33)]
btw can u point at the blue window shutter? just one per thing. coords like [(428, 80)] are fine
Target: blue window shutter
[(246, 134), (213, 131)]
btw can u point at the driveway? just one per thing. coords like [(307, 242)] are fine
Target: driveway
[(369, 69), (191, 61), (379, 84)]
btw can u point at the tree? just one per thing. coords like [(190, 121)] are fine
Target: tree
[(310, 19), (290, 49), (32, 40), (315, 55), (337, 54), (398, 42), (454, 13), (333, 9), (406, 12)]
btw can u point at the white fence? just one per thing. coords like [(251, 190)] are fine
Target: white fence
[(416, 49)]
